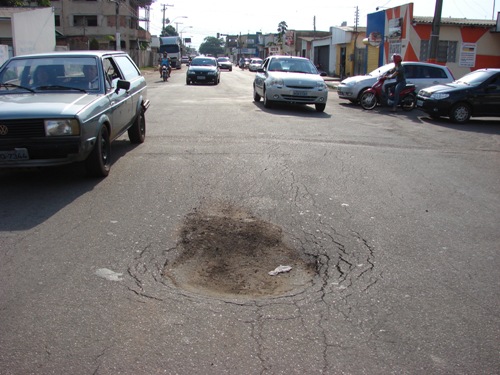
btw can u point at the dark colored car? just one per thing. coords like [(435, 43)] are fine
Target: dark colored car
[(203, 69), (64, 107), (225, 63), (474, 95)]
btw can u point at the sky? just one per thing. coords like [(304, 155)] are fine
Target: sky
[(197, 19)]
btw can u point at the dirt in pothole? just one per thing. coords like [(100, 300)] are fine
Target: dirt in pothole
[(225, 251)]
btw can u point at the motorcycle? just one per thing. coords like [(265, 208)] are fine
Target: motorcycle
[(244, 64), (376, 95), (165, 73)]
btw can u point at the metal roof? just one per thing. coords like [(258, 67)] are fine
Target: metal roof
[(456, 21)]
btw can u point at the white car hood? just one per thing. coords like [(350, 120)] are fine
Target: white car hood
[(298, 79)]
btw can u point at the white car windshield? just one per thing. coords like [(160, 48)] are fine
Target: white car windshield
[(293, 66)]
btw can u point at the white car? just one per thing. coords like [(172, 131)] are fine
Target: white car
[(255, 64), (422, 75), (290, 79)]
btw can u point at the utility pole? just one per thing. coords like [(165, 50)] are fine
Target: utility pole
[(165, 8), (434, 42), (117, 24)]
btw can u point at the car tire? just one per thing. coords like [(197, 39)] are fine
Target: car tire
[(320, 107), (267, 103), (256, 97), (188, 82), (460, 113), (98, 162), (368, 100), (137, 132)]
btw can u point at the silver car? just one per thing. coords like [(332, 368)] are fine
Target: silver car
[(422, 75), (65, 107), (290, 79), (255, 64)]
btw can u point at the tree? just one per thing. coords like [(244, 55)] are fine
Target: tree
[(23, 3), (212, 46), (282, 28), (169, 31)]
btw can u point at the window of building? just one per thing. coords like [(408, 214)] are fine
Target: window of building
[(447, 51), (84, 20), (57, 20)]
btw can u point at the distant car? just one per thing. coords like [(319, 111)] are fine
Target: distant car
[(290, 80), (225, 63), (185, 60), (422, 75), (475, 94), (64, 107), (255, 64), (203, 69)]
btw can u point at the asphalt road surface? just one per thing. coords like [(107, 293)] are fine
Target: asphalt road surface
[(389, 222)]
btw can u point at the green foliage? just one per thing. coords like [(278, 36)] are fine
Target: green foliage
[(94, 44), (212, 46), (22, 3), (282, 28), (169, 31), (11, 3)]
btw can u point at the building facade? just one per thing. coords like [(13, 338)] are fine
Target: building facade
[(96, 23), (464, 45)]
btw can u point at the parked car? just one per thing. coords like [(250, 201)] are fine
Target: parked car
[(255, 64), (290, 80), (475, 94), (225, 63), (65, 107), (203, 69), (422, 75)]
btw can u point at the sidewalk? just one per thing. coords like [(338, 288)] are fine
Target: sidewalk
[(332, 82)]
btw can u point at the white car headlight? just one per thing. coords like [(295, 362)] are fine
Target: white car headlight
[(351, 83), (276, 82), (61, 127), (321, 85), (439, 96)]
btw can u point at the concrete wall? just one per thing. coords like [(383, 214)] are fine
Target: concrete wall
[(33, 31)]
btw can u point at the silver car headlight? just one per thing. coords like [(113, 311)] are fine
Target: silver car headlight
[(351, 83), (276, 82), (61, 127), (439, 96), (321, 85)]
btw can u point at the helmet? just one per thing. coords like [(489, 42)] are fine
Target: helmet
[(396, 58)]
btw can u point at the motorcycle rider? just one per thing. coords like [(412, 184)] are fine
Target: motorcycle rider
[(397, 72), (165, 61)]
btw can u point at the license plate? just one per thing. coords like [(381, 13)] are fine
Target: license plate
[(300, 93), (201, 78), (420, 103), (16, 154)]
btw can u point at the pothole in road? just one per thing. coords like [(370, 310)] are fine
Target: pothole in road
[(225, 251)]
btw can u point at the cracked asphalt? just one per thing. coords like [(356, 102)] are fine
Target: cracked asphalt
[(389, 221)]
